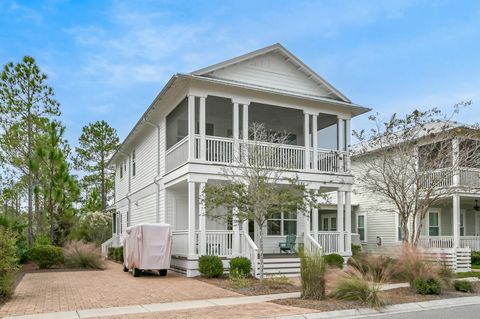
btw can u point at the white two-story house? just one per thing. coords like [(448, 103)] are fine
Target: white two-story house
[(190, 131), (452, 224)]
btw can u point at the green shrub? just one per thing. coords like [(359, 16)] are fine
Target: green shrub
[(22, 251), (210, 266), (80, 255), (46, 256), (463, 286), (354, 287), (427, 286), (334, 260), (239, 279), (475, 258), (118, 254), (356, 250), (110, 253), (312, 275), (8, 261), (241, 265), (42, 239)]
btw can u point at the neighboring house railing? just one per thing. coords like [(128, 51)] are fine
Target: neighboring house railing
[(436, 242), (469, 177), (115, 241), (177, 155), (227, 150)]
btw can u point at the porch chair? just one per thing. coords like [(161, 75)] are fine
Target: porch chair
[(289, 245)]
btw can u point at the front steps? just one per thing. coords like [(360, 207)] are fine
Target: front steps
[(284, 265)]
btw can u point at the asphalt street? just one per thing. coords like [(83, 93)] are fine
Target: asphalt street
[(454, 312)]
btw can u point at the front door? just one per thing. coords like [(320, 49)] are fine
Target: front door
[(329, 223)]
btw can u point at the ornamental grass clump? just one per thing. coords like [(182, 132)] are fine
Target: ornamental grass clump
[(355, 286), (312, 272), (378, 268), (78, 254)]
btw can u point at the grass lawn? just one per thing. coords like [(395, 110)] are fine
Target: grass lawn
[(468, 274), (475, 266)]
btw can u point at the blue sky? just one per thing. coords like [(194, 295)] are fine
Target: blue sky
[(109, 59)]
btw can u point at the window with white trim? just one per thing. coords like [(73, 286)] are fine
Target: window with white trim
[(434, 223), (462, 223), (121, 170), (282, 224), (399, 228), (361, 226)]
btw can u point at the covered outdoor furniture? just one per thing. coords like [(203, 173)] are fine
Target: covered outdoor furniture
[(147, 247), (289, 245)]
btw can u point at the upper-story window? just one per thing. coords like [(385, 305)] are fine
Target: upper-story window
[(177, 123), (121, 170), (134, 163)]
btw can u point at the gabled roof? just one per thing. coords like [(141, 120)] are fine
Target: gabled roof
[(289, 57)]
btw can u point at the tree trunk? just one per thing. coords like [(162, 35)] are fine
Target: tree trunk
[(30, 179), (261, 251), (102, 179)]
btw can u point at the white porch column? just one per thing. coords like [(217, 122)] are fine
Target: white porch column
[(340, 134), (191, 127), (202, 220), (348, 220), (456, 220), (456, 161), (315, 224), (245, 122), (340, 228), (306, 133), (314, 142), (236, 127), (347, 144), (191, 220), (236, 233), (202, 118)]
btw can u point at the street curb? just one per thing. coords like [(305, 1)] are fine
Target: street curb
[(393, 309)]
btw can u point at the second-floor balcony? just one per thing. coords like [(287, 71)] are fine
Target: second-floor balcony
[(220, 150), (212, 130), (447, 177)]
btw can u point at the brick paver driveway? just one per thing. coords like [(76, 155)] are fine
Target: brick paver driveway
[(74, 290)]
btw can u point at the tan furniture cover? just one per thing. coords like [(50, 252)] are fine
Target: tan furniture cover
[(148, 246)]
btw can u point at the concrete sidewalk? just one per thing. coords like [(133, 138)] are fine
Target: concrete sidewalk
[(159, 307), (413, 307)]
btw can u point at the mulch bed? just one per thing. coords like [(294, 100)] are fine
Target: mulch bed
[(394, 296), (255, 287)]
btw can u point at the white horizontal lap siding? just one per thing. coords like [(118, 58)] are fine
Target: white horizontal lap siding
[(380, 216), (270, 70), (145, 158), (162, 206), (143, 210), (121, 184), (162, 145)]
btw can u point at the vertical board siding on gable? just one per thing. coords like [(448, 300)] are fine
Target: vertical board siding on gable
[(272, 71), (146, 159)]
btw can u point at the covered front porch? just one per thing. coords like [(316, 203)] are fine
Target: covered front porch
[(195, 234), (454, 223)]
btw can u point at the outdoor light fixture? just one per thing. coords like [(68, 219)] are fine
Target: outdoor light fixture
[(476, 207)]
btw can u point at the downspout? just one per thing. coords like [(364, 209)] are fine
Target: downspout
[(158, 177)]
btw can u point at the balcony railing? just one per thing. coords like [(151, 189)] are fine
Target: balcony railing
[(226, 151), (468, 177)]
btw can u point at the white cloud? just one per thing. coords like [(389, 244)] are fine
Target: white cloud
[(101, 109)]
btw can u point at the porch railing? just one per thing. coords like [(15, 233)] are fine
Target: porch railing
[(249, 249), (177, 155), (470, 177), (472, 242), (329, 241), (436, 242), (311, 245), (291, 157), (274, 155)]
